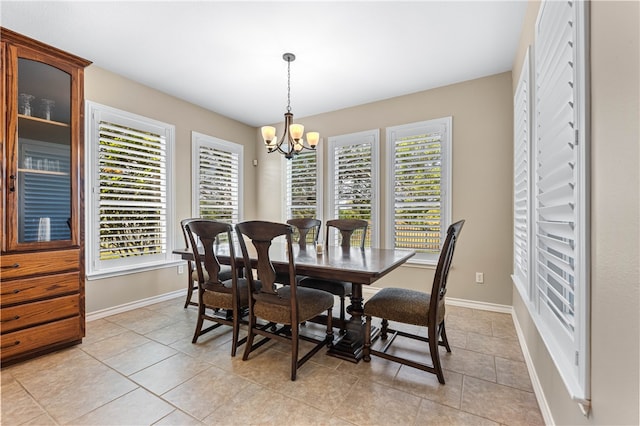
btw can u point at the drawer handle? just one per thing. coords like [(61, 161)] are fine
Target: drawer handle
[(14, 266), (16, 343), (17, 317), (16, 291)]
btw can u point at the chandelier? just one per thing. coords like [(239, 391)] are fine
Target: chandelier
[(292, 132)]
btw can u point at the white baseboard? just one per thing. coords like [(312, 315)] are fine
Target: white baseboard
[(134, 305)]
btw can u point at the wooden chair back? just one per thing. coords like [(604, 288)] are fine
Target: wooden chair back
[(207, 232), (439, 286), (304, 226), (347, 227), (261, 234)]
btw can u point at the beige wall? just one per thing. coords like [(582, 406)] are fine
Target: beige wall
[(115, 91), (615, 229), (482, 157)]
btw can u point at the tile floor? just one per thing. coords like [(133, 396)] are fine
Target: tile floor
[(140, 368)]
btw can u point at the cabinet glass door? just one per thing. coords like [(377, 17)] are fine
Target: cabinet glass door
[(44, 199)]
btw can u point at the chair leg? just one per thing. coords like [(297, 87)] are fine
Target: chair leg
[(236, 331), (383, 329), (329, 327), (190, 286), (249, 343), (294, 350), (366, 354), (435, 354), (443, 334), (201, 309)]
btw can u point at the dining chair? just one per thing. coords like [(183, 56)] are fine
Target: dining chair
[(215, 293), (417, 308), (192, 274), (348, 229), (284, 305), (304, 226), (306, 230)]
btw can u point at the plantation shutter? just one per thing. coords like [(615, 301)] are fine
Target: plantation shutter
[(561, 284), (301, 185), (132, 186), (219, 184), (419, 186), (521, 180), (354, 188)]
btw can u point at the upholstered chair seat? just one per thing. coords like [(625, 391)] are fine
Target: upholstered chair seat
[(403, 305)]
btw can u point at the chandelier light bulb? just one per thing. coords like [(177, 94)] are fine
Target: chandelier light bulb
[(296, 131)]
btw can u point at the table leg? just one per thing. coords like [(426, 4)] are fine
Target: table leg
[(350, 345)]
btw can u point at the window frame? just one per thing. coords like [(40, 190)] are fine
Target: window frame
[(198, 140), (417, 128), (96, 268), (352, 139)]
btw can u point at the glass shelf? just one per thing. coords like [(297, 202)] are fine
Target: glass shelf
[(43, 172)]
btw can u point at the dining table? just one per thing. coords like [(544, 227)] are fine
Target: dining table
[(355, 265)]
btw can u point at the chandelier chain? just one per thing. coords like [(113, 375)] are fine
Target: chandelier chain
[(288, 85)]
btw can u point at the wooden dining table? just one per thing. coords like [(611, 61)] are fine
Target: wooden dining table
[(355, 265)]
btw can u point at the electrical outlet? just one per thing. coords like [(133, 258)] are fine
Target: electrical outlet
[(479, 277), (180, 269)]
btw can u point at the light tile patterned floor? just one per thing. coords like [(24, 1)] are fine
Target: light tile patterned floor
[(140, 368)]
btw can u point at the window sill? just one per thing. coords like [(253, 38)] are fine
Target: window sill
[(98, 275)]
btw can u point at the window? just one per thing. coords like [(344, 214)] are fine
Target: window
[(216, 178), (419, 167), (130, 191), (353, 179), (303, 185), (557, 276)]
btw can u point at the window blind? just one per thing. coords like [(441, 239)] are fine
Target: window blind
[(521, 179), (301, 187), (419, 186), (132, 185), (353, 180), (219, 184)]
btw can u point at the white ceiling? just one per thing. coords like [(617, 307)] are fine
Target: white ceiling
[(227, 56)]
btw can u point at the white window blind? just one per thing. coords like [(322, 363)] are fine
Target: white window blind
[(302, 186), (522, 180), (217, 178), (419, 190), (130, 201), (560, 274), (353, 181)]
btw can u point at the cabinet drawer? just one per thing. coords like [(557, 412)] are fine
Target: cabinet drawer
[(29, 289), (39, 263), (19, 342), (29, 314)]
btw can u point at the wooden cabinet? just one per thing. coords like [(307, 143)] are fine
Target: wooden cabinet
[(42, 244)]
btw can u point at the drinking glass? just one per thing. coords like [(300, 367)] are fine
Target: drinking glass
[(24, 103)]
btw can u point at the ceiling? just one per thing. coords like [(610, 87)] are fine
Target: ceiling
[(227, 56)]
